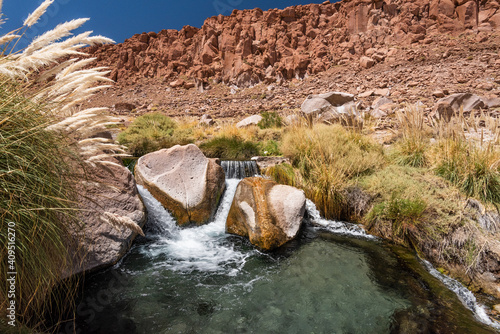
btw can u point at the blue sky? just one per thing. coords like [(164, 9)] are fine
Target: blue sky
[(120, 19)]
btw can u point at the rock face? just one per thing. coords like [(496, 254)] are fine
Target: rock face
[(333, 105), (97, 244), (267, 213), (253, 46), (181, 178)]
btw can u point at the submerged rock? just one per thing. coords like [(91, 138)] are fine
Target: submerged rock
[(267, 213), (184, 181)]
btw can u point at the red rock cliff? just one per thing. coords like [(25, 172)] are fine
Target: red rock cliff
[(251, 46)]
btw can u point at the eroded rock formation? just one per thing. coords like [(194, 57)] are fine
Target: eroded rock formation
[(252, 46)]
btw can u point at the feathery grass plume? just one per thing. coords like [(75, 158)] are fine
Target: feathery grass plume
[(41, 124), (60, 31), (119, 222), (7, 38), (35, 16), (36, 180)]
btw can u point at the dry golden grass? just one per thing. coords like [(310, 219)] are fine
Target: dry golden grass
[(326, 158)]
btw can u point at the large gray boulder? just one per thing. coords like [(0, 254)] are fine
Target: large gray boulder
[(111, 215), (329, 106), (267, 213), (184, 181)]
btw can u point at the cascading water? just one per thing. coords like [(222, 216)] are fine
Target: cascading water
[(240, 169), (335, 226), (199, 248), (201, 280), (466, 297)]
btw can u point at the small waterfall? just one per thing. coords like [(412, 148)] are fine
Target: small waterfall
[(348, 229), (240, 169), (466, 297), (201, 248)]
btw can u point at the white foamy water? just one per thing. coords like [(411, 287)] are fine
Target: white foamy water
[(466, 297), (335, 226), (202, 248)]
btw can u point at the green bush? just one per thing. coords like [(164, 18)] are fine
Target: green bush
[(152, 132), (403, 214), (270, 148), (230, 148), (270, 120), (282, 173)]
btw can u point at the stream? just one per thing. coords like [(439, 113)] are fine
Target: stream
[(334, 278)]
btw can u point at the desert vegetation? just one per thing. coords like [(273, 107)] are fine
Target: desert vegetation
[(45, 139), (417, 185), (151, 132)]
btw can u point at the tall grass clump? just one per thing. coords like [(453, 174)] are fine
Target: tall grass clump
[(270, 119), (467, 154), (404, 214), (37, 193), (43, 131), (326, 159), (474, 169), (151, 132), (411, 149)]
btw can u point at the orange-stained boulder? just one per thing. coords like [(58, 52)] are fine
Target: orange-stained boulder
[(267, 213)]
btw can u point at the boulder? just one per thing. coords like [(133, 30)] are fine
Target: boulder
[(443, 110), (380, 101), (366, 62), (206, 120), (252, 120), (177, 83), (467, 100), (96, 244), (267, 213), (184, 181), (333, 105), (266, 162)]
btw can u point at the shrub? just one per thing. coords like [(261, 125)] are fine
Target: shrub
[(282, 173), (406, 190), (152, 132), (270, 120), (270, 147), (230, 148)]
